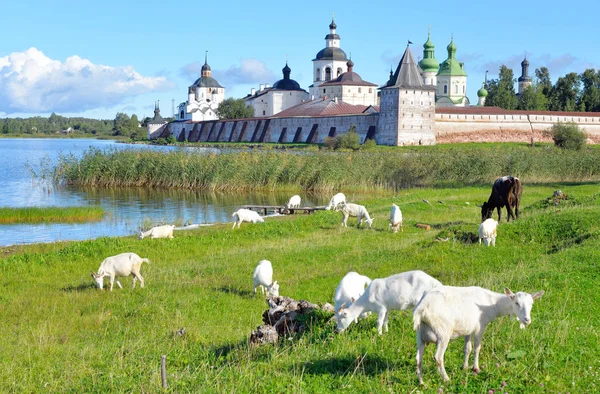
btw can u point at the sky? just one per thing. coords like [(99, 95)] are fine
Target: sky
[(94, 59)]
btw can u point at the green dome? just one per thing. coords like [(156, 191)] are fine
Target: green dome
[(451, 47), (482, 92), (451, 66), (428, 44), (429, 65)]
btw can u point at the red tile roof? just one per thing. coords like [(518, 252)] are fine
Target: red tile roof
[(320, 107), (478, 110)]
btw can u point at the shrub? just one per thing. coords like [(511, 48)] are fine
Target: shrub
[(331, 143), (171, 139), (350, 140), (568, 136), (369, 144)]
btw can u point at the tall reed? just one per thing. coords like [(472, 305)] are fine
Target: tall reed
[(326, 171)]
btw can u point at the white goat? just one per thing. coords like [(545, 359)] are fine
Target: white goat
[(487, 232), (395, 218), (165, 231), (335, 201), (245, 215), (294, 202), (263, 278), (396, 292), (448, 312), (351, 287), (355, 210), (123, 264)]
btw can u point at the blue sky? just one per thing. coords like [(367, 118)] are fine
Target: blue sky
[(94, 59)]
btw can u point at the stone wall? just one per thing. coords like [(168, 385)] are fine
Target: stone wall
[(516, 127), (282, 130)]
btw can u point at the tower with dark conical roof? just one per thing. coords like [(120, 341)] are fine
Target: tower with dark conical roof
[(407, 107), (330, 61), (524, 80)]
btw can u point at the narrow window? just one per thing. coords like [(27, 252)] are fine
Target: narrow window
[(339, 71), (318, 75), (445, 89), (327, 74), (455, 89)]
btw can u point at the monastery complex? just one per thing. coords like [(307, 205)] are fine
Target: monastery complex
[(420, 104)]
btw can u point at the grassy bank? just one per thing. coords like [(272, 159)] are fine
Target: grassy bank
[(60, 334), (391, 169), (50, 214)]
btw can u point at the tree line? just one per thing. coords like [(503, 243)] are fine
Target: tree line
[(121, 125), (572, 93)]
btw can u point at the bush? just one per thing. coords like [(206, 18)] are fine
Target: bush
[(171, 139), (369, 144), (568, 136), (350, 140), (331, 143)]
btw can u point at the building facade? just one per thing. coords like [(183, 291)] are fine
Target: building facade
[(350, 88), (329, 63), (204, 97)]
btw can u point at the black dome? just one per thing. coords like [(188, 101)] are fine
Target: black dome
[(286, 84), (332, 25), (331, 53), (206, 67)]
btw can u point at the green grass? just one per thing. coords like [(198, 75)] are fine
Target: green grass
[(60, 334), (389, 169), (50, 214)]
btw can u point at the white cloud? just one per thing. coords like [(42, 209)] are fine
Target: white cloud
[(31, 82), (249, 71)]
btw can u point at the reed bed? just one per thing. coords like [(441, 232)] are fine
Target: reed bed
[(326, 171), (50, 214)]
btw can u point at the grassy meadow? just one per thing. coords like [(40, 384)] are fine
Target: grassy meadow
[(61, 334), (50, 214)]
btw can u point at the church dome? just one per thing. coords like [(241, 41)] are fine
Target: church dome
[(286, 83), (428, 44), (350, 63), (206, 67), (482, 92), (286, 69), (429, 65), (451, 47), (525, 63), (331, 53), (332, 25)]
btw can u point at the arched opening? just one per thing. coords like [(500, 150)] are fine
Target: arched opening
[(182, 115), (339, 71), (328, 74), (455, 89), (318, 74), (445, 89)]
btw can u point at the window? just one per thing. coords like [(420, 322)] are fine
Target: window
[(359, 90), (323, 90), (463, 89), (339, 71), (445, 89), (327, 74), (370, 90), (318, 74), (264, 112), (456, 89)]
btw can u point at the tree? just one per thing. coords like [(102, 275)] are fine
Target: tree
[(563, 96), (568, 136), (589, 100), (501, 91), (532, 98), (543, 81), (122, 124), (234, 109)]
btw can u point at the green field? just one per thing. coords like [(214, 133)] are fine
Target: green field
[(50, 214), (63, 335)]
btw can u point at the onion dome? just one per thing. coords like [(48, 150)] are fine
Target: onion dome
[(429, 63), (332, 25), (286, 83), (350, 64), (482, 92), (525, 63)]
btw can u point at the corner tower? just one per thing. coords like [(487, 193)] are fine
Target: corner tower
[(330, 61), (407, 107)]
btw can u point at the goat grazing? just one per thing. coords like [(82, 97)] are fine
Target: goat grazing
[(396, 292), (447, 312), (487, 232), (351, 287), (165, 231), (123, 264), (355, 210), (395, 218), (294, 202), (245, 215), (263, 278), (335, 201), (506, 191)]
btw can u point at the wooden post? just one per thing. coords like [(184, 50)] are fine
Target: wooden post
[(163, 371)]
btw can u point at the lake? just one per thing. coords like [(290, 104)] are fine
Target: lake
[(21, 161)]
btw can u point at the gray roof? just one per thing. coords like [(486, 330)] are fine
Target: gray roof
[(207, 82), (407, 74), (331, 53)]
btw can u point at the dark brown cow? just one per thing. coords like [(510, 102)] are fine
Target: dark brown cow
[(506, 192)]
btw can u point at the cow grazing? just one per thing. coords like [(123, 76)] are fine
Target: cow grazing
[(506, 192)]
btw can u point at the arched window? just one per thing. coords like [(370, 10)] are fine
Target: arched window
[(463, 89), (327, 74), (181, 115), (445, 89), (339, 71), (318, 74), (455, 89)]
